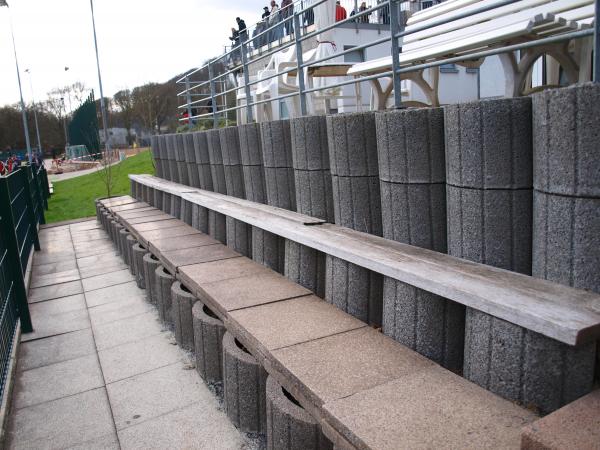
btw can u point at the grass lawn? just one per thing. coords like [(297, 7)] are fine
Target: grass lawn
[(74, 198)]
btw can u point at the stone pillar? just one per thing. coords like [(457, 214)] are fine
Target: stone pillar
[(150, 263), (123, 235), (412, 173), (312, 180), (138, 257), (357, 205), (289, 425), (162, 288), (216, 222), (181, 164), (182, 302), (239, 234), (131, 241), (117, 235), (202, 159), (190, 160), (166, 204), (208, 343), (154, 145), (244, 381), (171, 153)]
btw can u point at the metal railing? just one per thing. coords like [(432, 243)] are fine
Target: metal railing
[(244, 54), (23, 199)]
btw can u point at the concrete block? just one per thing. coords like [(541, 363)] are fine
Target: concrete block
[(118, 228), (123, 234), (230, 146), (133, 188), (217, 226), (162, 147), (208, 343), (268, 249), (205, 177), (239, 236), (200, 218), (244, 384), (357, 203), (355, 290), (254, 183), (163, 281), (491, 226), (426, 323), (289, 425), (410, 145), (566, 238), (250, 144), (150, 263), (186, 212), (305, 266), (175, 206), (280, 188), (111, 229), (182, 302), (234, 181), (182, 171), (277, 144), (213, 140), (138, 257), (489, 144), (352, 144), (565, 140), (166, 205), (174, 171), (179, 147), (314, 195), (202, 160), (158, 199), (190, 160), (309, 143), (525, 366), (131, 241), (217, 173)]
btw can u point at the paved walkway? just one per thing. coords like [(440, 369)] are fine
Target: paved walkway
[(99, 371)]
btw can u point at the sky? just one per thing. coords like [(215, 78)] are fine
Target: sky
[(139, 41)]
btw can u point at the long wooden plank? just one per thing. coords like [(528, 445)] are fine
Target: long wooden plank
[(566, 314)]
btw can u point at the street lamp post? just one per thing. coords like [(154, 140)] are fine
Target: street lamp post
[(64, 107), (23, 112), (37, 127)]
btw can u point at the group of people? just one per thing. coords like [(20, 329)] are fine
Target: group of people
[(12, 163), (383, 14)]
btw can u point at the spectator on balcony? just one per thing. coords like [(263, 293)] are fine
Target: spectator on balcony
[(365, 18), (265, 14), (287, 10), (242, 31), (383, 14), (274, 19), (340, 12)]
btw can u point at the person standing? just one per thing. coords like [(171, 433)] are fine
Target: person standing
[(287, 10), (274, 19), (242, 31), (340, 12)]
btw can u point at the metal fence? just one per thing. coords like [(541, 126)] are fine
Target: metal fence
[(248, 52), (23, 198)]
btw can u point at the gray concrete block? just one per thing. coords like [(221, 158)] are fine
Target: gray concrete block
[(250, 144), (166, 202), (305, 266), (205, 177), (188, 148), (410, 145), (162, 147), (352, 144), (357, 203), (182, 302), (310, 149), (277, 143), (133, 188), (244, 382), (175, 206), (289, 425), (200, 218), (566, 239), (213, 140), (150, 263), (355, 290), (217, 172), (202, 160), (186, 212), (117, 236), (230, 146), (123, 234), (182, 171), (254, 183), (193, 178), (426, 323), (154, 146), (281, 191), (314, 194), (234, 181), (488, 144), (208, 343), (415, 214), (179, 148), (163, 281), (524, 366), (131, 242), (173, 171), (158, 199), (239, 236), (138, 257), (565, 139), (491, 226), (268, 249), (217, 227)]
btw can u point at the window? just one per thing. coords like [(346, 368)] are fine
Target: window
[(355, 56), (448, 68)]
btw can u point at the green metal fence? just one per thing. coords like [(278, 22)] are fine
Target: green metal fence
[(23, 199)]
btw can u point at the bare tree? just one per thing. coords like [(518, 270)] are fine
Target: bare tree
[(123, 101)]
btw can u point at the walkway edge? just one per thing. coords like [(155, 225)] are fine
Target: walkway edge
[(5, 406)]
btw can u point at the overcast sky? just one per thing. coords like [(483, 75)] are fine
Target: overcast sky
[(139, 41)]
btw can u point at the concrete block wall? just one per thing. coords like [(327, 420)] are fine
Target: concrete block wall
[(202, 159), (154, 147), (181, 162), (190, 160), (357, 204), (216, 221), (412, 174)]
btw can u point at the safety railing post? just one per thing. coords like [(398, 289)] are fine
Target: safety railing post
[(188, 97), (300, 63), (40, 194), (244, 47), (596, 75), (396, 26), (9, 236), (33, 220), (213, 95)]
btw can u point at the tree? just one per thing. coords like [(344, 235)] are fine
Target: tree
[(123, 101), (155, 104)]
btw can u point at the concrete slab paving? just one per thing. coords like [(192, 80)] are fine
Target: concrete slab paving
[(90, 261), (178, 243), (48, 258), (45, 269), (185, 257), (119, 310), (109, 279), (55, 291), (126, 330), (102, 269), (58, 306), (45, 326), (112, 294), (55, 278)]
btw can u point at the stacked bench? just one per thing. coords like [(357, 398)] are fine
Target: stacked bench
[(361, 388)]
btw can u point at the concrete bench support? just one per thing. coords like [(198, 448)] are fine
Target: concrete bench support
[(172, 154), (289, 425), (123, 234), (216, 222), (163, 281), (208, 343), (117, 236), (186, 212), (166, 202), (181, 311), (244, 382), (412, 171), (202, 161), (138, 260), (190, 160), (151, 263), (357, 205), (131, 241), (182, 171), (200, 218)]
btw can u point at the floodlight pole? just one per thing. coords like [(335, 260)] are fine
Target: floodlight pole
[(37, 127), (23, 113)]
